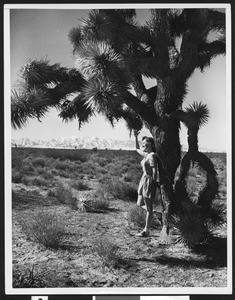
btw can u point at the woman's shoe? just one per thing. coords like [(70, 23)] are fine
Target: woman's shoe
[(143, 234)]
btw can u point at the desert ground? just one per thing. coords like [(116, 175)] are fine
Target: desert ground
[(75, 221)]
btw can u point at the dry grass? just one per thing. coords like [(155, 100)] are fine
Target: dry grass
[(42, 227)]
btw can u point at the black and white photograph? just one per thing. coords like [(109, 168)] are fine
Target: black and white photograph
[(118, 149)]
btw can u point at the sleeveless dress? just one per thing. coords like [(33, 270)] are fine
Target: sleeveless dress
[(147, 186)]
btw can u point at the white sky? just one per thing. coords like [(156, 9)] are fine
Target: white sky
[(44, 34)]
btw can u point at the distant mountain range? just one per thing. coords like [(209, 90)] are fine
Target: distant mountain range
[(82, 143), (75, 143)]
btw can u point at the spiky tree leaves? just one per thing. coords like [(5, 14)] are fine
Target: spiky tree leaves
[(33, 103), (39, 72), (102, 94), (196, 115), (45, 86), (99, 58), (76, 109), (191, 225)]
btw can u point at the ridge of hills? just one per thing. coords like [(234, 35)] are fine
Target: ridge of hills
[(75, 142)]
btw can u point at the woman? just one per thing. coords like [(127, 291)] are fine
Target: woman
[(149, 180)]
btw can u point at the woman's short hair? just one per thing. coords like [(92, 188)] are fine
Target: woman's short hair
[(151, 141)]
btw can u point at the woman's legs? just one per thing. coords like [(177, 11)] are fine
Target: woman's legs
[(149, 213), (140, 201)]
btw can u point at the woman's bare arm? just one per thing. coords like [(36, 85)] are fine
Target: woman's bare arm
[(137, 146)]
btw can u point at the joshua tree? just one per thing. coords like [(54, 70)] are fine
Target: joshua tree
[(113, 54)]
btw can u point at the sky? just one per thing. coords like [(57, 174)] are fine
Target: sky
[(43, 33)]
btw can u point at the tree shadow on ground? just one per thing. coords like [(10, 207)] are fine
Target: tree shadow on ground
[(212, 255), (215, 251)]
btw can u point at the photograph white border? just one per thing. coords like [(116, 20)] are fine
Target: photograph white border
[(7, 158)]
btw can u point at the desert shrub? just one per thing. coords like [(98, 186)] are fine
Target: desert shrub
[(39, 162), (17, 177), (72, 156), (52, 192), (132, 176), (62, 166), (16, 161), (47, 175), (100, 171), (191, 226), (96, 201), (65, 196), (79, 185), (26, 278), (101, 201), (65, 154), (114, 169), (28, 168), (43, 227), (125, 169), (64, 173), (120, 189), (102, 162), (107, 251), (104, 178), (88, 168), (26, 180), (39, 181)]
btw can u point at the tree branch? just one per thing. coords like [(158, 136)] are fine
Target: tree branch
[(207, 51), (199, 23), (146, 112)]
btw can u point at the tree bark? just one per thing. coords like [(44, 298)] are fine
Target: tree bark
[(168, 149)]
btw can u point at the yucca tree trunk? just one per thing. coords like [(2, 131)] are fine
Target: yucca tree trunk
[(168, 149), (193, 141), (193, 155)]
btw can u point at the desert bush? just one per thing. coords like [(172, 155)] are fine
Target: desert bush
[(105, 178), (101, 199), (39, 162), (191, 226), (132, 176), (39, 181), (107, 251), (120, 189), (103, 161), (16, 161), (114, 169), (88, 168), (43, 227), (52, 192), (125, 169), (65, 154), (62, 165), (65, 196), (26, 180), (94, 202), (101, 171), (28, 168), (79, 185), (17, 177), (47, 174)]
